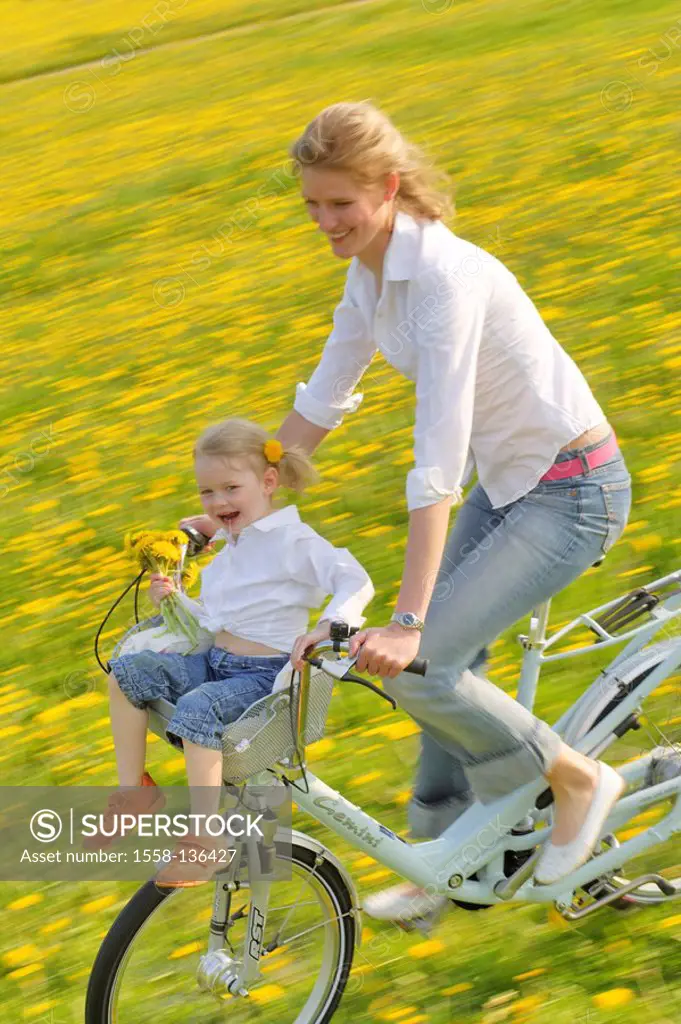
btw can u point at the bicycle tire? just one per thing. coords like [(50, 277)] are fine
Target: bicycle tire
[(100, 1006), (581, 725)]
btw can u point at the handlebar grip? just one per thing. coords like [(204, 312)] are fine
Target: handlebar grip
[(418, 667)]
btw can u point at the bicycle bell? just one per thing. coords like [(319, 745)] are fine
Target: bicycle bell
[(197, 540)]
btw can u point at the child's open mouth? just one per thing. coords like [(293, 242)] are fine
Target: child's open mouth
[(229, 518)]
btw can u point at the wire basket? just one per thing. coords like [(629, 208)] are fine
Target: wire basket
[(266, 732)]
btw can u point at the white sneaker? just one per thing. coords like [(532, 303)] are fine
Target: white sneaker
[(401, 903), (558, 861)]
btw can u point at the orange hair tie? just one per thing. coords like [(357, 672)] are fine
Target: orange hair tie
[(273, 451)]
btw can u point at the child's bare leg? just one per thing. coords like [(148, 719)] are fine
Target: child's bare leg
[(204, 775), (129, 729)]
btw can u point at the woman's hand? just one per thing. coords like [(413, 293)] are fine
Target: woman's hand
[(204, 524), (303, 643), (385, 650), (159, 587)]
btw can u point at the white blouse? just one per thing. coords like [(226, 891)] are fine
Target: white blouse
[(262, 586), (494, 389)]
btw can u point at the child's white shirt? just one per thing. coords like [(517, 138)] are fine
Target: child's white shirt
[(262, 586)]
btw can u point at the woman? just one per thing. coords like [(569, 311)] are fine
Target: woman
[(494, 390)]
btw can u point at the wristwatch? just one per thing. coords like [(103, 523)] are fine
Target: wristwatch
[(408, 620)]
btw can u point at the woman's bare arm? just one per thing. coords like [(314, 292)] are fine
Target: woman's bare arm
[(297, 430), (425, 543), (427, 526)]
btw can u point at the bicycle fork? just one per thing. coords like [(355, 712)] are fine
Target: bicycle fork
[(225, 973)]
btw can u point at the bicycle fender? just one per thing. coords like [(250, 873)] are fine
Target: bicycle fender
[(322, 851)]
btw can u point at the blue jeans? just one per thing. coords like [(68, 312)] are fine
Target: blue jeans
[(209, 690), (498, 564)]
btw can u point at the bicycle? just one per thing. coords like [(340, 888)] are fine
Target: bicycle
[(287, 953)]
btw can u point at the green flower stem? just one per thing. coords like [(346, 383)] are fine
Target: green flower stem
[(179, 620)]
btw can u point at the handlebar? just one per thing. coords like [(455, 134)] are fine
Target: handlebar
[(340, 634), (197, 540), (418, 667)]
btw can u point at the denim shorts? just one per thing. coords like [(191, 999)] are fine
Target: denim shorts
[(209, 690)]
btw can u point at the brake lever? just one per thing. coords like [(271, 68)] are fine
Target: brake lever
[(340, 669), (336, 668), (371, 686)]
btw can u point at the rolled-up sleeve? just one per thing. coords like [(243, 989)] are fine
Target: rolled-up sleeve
[(328, 395), (447, 331), (314, 560)]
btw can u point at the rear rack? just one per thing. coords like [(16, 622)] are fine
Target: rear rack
[(660, 600), (629, 608)]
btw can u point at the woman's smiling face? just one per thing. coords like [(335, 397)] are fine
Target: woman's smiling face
[(349, 214)]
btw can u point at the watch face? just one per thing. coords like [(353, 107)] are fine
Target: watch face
[(409, 619)]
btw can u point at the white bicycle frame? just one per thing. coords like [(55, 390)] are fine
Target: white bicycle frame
[(477, 840)]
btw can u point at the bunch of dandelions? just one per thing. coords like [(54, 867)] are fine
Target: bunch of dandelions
[(162, 551)]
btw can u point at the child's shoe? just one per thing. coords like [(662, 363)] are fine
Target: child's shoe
[(145, 799), (195, 859), (403, 902)]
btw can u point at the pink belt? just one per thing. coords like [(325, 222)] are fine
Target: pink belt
[(575, 467)]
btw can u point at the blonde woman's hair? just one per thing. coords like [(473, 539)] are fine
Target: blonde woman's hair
[(243, 439), (361, 139)]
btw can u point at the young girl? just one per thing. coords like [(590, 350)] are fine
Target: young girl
[(255, 598)]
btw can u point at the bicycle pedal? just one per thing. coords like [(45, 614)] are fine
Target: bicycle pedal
[(424, 925)]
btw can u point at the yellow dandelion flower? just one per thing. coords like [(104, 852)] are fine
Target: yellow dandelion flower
[(671, 922), (162, 551), (364, 862), (29, 1012), (25, 901), (267, 994), (94, 906), (526, 1006), (362, 780), (427, 948), (376, 876), (58, 925), (137, 539), (176, 537), (530, 974), (320, 748), (182, 951), (613, 998), (190, 575), (23, 972), (21, 955), (455, 990), (398, 1013)]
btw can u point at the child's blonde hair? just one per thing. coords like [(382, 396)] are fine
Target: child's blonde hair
[(361, 139), (240, 438)]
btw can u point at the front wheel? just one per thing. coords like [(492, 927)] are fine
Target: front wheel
[(146, 968)]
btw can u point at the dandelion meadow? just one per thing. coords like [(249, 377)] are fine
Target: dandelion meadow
[(160, 273)]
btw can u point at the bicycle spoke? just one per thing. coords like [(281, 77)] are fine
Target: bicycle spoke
[(324, 924), (286, 906), (276, 938)]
